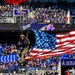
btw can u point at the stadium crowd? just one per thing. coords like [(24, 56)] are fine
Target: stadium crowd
[(53, 12), (49, 15), (41, 15), (9, 65), (5, 10), (7, 62)]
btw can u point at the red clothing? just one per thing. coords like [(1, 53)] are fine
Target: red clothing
[(66, 73), (66, 18)]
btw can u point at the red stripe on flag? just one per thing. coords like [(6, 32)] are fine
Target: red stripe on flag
[(65, 44)]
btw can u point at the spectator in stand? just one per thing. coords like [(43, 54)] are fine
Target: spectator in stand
[(41, 15), (49, 15), (66, 72)]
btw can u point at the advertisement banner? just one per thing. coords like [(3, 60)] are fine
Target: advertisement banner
[(20, 12), (72, 13), (68, 62), (47, 27), (42, 27)]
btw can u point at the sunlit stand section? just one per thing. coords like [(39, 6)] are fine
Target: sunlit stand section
[(10, 20), (59, 68)]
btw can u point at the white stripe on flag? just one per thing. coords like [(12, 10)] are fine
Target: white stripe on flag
[(65, 44)]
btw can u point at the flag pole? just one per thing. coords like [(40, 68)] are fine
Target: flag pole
[(29, 3)]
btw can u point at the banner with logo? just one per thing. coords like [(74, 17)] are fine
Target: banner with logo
[(68, 62), (20, 12), (46, 27), (72, 13)]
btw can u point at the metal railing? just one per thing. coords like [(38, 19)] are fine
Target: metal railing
[(30, 71)]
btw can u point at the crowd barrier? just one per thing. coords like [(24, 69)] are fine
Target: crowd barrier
[(24, 71), (16, 27), (31, 72)]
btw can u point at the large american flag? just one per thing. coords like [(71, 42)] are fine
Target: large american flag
[(52, 44)]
